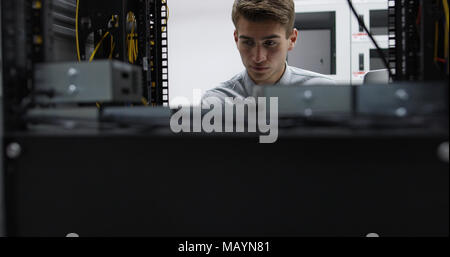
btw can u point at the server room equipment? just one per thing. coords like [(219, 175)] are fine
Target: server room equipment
[(117, 171), (80, 82), (418, 40), (52, 31), (316, 48), (131, 31), (324, 38), (309, 101), (403, 99), (364, 53), (332, 41)]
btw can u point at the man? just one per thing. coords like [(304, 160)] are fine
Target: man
[(264, 34)]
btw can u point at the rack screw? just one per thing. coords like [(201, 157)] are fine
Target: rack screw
[(308, 95), (308, 112), (402, 94), (443, 152), (13, 150), (72, 90), (72, 72), (401, 112)]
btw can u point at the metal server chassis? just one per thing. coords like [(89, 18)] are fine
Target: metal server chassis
[(310, 183)]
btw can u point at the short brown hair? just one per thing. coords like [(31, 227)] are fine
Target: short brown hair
[(282, 11)]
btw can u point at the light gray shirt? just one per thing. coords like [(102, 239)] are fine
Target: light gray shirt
[(242, 86)]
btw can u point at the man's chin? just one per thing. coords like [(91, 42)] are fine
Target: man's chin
[(260, 76)]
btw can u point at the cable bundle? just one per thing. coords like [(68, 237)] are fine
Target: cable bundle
[(132, 42)]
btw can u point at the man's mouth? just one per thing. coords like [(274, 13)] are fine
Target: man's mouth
[(259, 69)]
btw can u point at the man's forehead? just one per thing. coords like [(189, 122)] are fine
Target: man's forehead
[(259, 29)]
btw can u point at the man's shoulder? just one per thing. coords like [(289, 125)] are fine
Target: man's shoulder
[(229, 88), (235, 81), (306, 77)]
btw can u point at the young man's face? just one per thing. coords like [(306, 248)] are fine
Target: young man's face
[(263, 47)]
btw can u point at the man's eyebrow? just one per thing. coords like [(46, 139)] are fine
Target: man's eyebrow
[(245, 37), (268, 37), (272, 37)]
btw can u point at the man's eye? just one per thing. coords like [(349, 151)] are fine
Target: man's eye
[(249, 43), (270, 43)]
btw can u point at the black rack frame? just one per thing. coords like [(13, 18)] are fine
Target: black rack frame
[(151, 18), (159, 64), (404, 54), (22, 47), (23, 36), (411, 41)]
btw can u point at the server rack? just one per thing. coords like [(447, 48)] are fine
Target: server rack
[(417, 52), (42, 31), (150, 22), (20, 53)]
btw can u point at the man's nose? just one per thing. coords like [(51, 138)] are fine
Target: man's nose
[(259, 55)]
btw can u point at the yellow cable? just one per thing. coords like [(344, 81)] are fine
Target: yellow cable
[(136, 49), (144, 101), (132, 43), (131, 48), (113, 45), (129, 37), (76, 30), (445, 3), (98, 46)]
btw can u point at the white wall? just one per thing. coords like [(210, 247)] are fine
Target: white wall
[(202, 52)]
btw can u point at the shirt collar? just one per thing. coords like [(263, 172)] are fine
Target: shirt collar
[(286, 78), (253, 90)]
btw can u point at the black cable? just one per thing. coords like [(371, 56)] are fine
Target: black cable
[(380, 52)]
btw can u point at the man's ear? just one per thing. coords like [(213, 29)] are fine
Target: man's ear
[(236, 38), (293, 39)]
